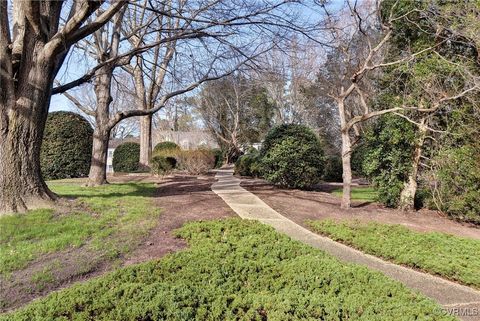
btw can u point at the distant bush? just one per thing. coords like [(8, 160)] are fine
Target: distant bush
[(294, 162), (195, 162), (126, 158), (161, 165), (165, 146), (249, 164), (67, 146), (333, 169)]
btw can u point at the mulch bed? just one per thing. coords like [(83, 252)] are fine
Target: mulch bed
[(300, 206)]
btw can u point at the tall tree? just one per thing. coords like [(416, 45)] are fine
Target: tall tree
[(34, 40), (236, 111)]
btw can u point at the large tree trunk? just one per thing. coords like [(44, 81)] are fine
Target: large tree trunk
[(23, 113), (21, 184), (407, 196), (145, 140), (101, 134)]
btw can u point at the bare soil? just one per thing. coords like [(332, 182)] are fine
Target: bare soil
[(300, 206), (182, 198)]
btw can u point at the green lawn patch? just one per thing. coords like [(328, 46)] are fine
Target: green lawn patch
[(109, 218), (365, 194), (449, 256), (236, 270)]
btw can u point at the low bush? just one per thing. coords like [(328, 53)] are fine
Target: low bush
[(333, 169), (438, 253), (165, 146), (236, 270), (66, 147), (161, 165), (126, 158), (195, 162)]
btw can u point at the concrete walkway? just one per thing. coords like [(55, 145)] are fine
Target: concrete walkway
[(456, 299)]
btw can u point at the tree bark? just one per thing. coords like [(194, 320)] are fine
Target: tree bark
[(98, 172), (346, 155), (101, 134), (407, 196), (21, 184), (347, 170), (145, 140), (22, 122)]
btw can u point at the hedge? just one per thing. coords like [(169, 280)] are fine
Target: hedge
[(165, 146), (126, 158), (67, 146)]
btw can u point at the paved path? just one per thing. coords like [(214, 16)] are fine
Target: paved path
[(248, 206)]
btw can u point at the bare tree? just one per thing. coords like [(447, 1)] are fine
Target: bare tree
[(359, 37), (209, 36), (35, 37)]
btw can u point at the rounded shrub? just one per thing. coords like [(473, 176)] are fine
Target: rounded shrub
[(292, 156), (67, 146), (165, 146), (277, 134), (126, 158), (249, 165)]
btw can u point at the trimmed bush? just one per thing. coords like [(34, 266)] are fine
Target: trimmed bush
[(126, 158), (165, 146), (277, 134), (333, 169), (67, 146), (195, 162), (249, 165), (292, 156), (161, 165)]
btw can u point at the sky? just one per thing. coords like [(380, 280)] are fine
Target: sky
[(75, 68)]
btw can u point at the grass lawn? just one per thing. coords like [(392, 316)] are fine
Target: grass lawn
[(109, 219), (365, 194), (236, 270), (449, 256)]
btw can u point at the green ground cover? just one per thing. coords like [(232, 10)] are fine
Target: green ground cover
[(365, 194), (449, 256), (236, 270), (110, 219)]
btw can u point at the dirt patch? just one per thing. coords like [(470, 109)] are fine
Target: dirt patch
[(182, 198), (300, 206)]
